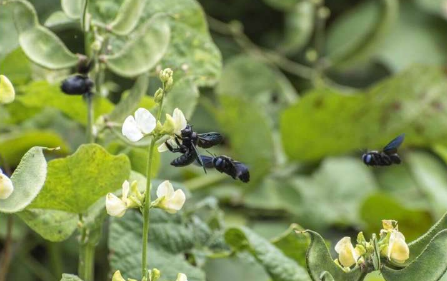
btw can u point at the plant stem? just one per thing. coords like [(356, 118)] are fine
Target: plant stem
[(87, 261), (7, 253), (90, 114)]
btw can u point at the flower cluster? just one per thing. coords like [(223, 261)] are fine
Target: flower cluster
[(391, 245), (6, 186)]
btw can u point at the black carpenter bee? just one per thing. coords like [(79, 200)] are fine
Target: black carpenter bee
[(387, 157), (189, 140), (225, 164), (77, 85)]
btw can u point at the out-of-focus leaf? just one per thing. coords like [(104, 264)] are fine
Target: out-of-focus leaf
[(70, 277), (292, 245), (240, 267), (412, 222), (430, 265), (138, 158), (77, 181), (349, 182), (250, 131), (9, 38), (438, 7), (27, 179), (283, 5), (128, 17), (277, 265), (430, 173), (14, 145), (16, 66), (40, 44), (299, 24), (41, 94), (184, 95), (125, 247), (319, 260), (191, 47), (416, 38), (52, 225), (129, 104), (59, 19), (72, 8), (358, 34), (144, 50), (326, 122)]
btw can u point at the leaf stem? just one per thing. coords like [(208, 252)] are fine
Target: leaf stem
[(90, 113)]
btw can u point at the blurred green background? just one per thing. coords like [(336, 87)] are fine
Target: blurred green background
[(306, 88)]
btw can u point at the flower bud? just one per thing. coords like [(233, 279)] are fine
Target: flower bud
[(397, 249), (158, 96), (169, 83), (117, 276), (7, 93), (361, 238), (165, 74), (6, 186), (155, 274), (181, 277)]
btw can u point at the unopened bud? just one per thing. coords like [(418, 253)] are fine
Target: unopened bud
[(165, 74), (168, 126), (169, 83), (155, 274), (361, 238), (158, 96)]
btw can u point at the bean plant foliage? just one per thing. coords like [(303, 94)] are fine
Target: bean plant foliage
[(103, 109)]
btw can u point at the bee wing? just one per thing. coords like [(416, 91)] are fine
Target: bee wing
[(391, 148), (207, 161), (207, 140)]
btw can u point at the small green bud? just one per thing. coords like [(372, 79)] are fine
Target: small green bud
[(168, 126), (324, 12), (155, 274), (165, 74), (311, 55), (360, 249), (169, 83), (158, 128), (158, 96), (96, 46), (361, 238)]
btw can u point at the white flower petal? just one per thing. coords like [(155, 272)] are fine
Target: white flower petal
[(181, 277), (346, 253), (165, 189), (115, 206), (175, 203), (117, 276), (162, 147), (130, 129), (6, 187), (179, 121), (125, 187), (145, 120)]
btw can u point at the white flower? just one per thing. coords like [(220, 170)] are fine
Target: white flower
[(6, 186), (136, 128), (7, 93), (115, 206), (117, 276), (181, 277), (169, 200), (397, 249), (347, 255), (179, 124)]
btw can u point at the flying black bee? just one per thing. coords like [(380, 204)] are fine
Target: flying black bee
[(225, 164), (389, 155), (77, 85), (187, 146)]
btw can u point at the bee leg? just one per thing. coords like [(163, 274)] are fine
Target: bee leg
[(172, 149)]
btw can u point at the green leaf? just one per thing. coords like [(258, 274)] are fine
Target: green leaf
[(144, 50), (431, 177), (184, 95), (42, 94), (76, 182), (250, 130), (59, 19), (52, 225), (299, 26), (319, 260), (28, 179), (40, 44), (321, 123), (412, 222), (72, 8), (125, 248), (282, 5), (129, 104), (128, 16), (368, 29), (14, 145), (16, 67), (9, 38), (430, 265), (70, 277), (436, 7), (292, 245), (277, 265)]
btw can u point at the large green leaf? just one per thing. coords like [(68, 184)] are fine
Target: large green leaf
[(319, 260), (430, 174), (164, 250), (292, 245), (322, 123), (40, 44), (72, 8), (248, 129), (42, 94), (77, 181), (144, 50), (9, 38), (184, 95), (277, 265), (429, 266), (16, 67), (28, 179), (52, 225), (127, 17)]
